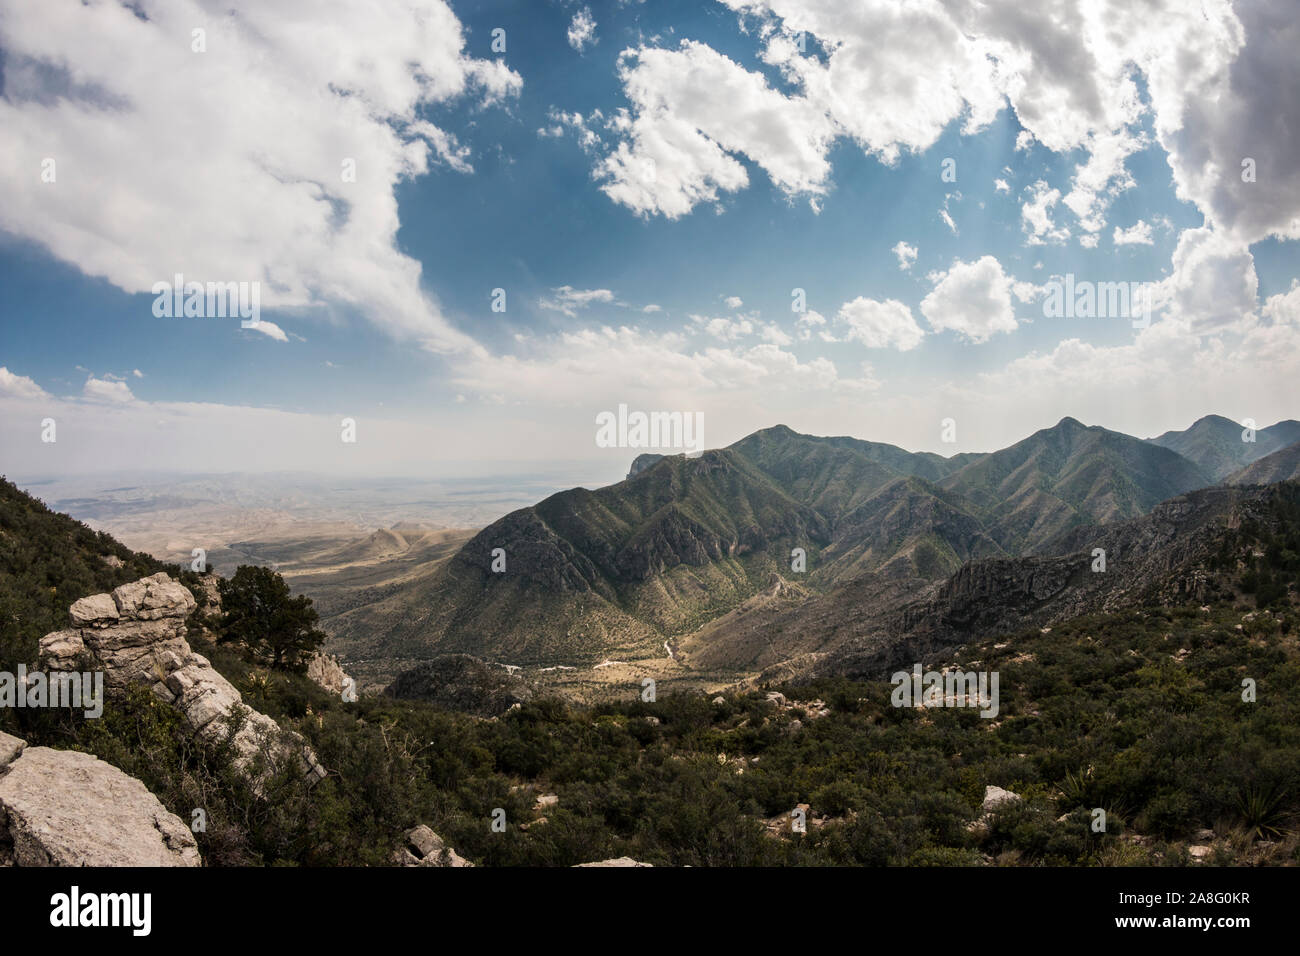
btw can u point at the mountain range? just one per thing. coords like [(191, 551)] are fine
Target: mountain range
[(697, 557)]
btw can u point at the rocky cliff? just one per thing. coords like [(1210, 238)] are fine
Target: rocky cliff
[(136, 635)]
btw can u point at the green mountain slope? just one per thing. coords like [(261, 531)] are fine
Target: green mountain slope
[(1215, 443), (683, 541), (1281, 465), (1068, 475)]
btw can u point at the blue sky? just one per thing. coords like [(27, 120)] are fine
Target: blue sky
[(836, 175)]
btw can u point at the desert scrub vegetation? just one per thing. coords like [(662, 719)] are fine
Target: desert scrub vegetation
[(1140, 714)]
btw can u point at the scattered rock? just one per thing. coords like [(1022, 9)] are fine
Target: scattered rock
[(64, 808), (426, 848), (545, 800), (995, 797), (718, 701), (1199, 853)]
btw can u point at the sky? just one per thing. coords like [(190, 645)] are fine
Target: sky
[(475, 227)]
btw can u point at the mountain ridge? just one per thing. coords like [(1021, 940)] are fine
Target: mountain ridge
[(683, 541)]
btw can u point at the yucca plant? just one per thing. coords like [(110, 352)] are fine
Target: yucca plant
[(1263, 810)]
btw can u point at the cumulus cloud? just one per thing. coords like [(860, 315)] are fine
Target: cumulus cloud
[(252, 144), (723, 328), (582, 29), (1217, 76), (1138, 234), (972, 299), (879, 325), (811, 322), (1036, 215), (691, 109), (1213, 285), (906, 254), (19, 386), (106, 390), (733, 302)]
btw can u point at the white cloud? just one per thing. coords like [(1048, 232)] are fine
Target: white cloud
[(775, 334), (1036, 215), (19, 386), (691, 109), (1284, 308), (879, 325), (1138, 234), (894, 76), (247, 144), (1218, 77), (724, 329), (973, 299), (906, 254), (810, 322), (606, 365), (1103, 176), (1213, 285), (1001, 185), (137, 373), (568, 300), (580, 126), (106, 390), (270, 329), (733, 302), (582, 29)]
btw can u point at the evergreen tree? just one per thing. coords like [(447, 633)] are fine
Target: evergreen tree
[(275, 627)]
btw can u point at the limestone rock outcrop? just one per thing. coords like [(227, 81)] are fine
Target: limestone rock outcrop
[(65, 808), (326, 671), (136, 635)]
